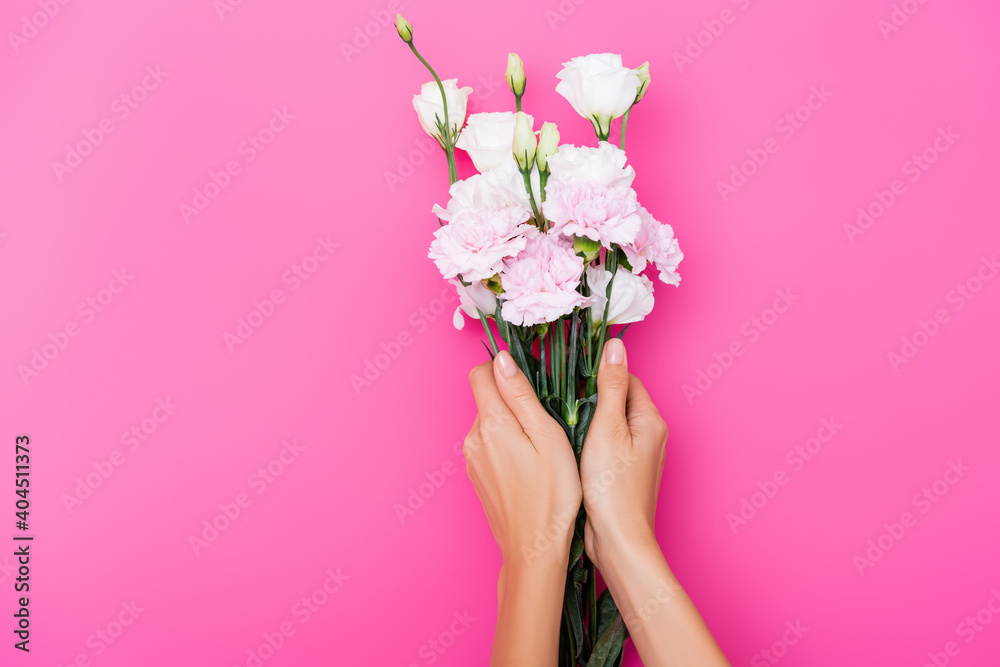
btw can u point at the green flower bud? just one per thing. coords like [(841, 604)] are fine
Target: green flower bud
[(525, 142), (587, 247), (404, 28), (643, 72), (548, 144), (515, 74)]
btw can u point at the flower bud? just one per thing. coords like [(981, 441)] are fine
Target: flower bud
[(548, 144), (587, 247), (643, 72), (404, 28), (515, 74), (525, 142), (493, 284)]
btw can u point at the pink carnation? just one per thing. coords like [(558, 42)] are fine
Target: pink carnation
[(540, 283), (477, 240), (655, 243), (601, 213), (589, 193)]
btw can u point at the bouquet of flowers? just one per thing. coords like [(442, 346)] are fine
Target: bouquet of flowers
[(550, 242)]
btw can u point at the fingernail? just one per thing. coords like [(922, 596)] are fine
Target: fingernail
[(614, 352), (506, 364)]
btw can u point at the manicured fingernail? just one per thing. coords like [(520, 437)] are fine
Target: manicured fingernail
[(506, 364), (614, 351)]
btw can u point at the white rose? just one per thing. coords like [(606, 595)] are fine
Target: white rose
[(488, 138), (631, 295), (599, 88), (428, 105)]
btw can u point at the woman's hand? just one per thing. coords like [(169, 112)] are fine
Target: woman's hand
[(522, 465), (622, 459), (622, 462), (523, 469)]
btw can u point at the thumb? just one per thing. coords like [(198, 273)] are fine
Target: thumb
[(517, 393), (612, 387)]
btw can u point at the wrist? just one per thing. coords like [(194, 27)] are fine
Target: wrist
[(540, 556), (638, 577), (615, 537), (543, 546), (624, 553), (518, 574)]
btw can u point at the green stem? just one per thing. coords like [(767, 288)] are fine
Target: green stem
[(611, 262), (489, 332), (449, 144), (539, 220), (592, 599), (543, 178), (559, 362), (452, 170), (545, 370), (572, 384), (621, 143)]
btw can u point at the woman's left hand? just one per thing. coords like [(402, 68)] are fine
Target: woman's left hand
[(522, 466)]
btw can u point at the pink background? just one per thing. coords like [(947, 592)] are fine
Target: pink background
[(333, 505)]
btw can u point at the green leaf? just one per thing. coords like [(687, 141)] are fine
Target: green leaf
[(609, 646), (575, 551), (585, 417), (586, 370), (622, 258), (552, 404), (501, 324), (581, 521), (517, 351), (571, 605), (606, 611)]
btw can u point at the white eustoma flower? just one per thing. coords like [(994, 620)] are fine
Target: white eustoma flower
[(502, 187), (488, 138), (428, 106), (599, 87), (470, 297), (603, 165), (510, 182), (631, 295)]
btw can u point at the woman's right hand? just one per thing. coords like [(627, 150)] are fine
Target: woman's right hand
[(620, 472), (622, 460)]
